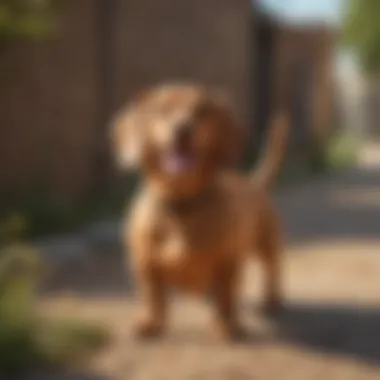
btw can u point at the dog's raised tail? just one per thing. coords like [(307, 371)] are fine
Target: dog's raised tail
[(274, 151)]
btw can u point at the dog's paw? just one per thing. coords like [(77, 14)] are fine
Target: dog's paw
[(147, 329), (228, 333), (273, 308)]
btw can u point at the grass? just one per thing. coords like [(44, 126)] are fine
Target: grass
[(28, 341)]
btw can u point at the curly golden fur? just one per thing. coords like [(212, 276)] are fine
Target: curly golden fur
[(195, 219)]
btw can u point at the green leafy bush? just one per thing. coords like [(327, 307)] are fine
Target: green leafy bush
[(342, 151), (26, 340), (25, 18)]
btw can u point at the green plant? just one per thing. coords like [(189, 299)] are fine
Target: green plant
[(12, 228), (26, 340), (30, 216), (341, 151), (34, 212), (361, 33), (25, 19)]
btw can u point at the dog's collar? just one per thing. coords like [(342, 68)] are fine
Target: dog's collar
[(186, 205)]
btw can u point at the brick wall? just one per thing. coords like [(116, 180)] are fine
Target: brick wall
[(207, 41), (48, 108), (56, 96)]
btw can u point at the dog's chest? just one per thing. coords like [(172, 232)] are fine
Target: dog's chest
[(191, 235), (188, 249)]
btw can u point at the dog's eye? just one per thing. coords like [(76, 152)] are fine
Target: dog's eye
[(202, 111)]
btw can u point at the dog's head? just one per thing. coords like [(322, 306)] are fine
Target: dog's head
[(180, 135)]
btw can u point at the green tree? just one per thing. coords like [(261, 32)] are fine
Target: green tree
[(361, 33), (25, 19)]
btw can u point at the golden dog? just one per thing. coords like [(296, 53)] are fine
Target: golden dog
[(194, 219)]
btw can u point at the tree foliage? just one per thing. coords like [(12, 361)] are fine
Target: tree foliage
[(362, 33), (20, 19)]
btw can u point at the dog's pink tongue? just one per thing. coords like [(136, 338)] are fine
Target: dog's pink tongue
[(178, 163)]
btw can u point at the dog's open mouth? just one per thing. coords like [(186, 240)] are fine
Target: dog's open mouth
[(179, 161)]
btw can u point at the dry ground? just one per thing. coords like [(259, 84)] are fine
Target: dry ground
[(329, 330)]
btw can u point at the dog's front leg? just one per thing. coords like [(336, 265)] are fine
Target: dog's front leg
[(152, 293), (226, 286), (269, 250)]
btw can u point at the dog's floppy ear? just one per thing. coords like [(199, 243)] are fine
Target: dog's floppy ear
[(127, 133), (233, 136)]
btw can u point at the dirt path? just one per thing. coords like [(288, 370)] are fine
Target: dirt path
[(331, 326)]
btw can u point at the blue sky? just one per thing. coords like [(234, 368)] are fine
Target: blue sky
[(306, 10), (303, 11)]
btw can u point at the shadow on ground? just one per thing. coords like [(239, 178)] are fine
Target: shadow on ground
[(310, 213), (105, 275), (343, 206), (343, 329), (64, 376)]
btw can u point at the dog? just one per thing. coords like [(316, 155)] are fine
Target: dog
[(195, 217)]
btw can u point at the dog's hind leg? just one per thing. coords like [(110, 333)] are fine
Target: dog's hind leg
[(226, 296)]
